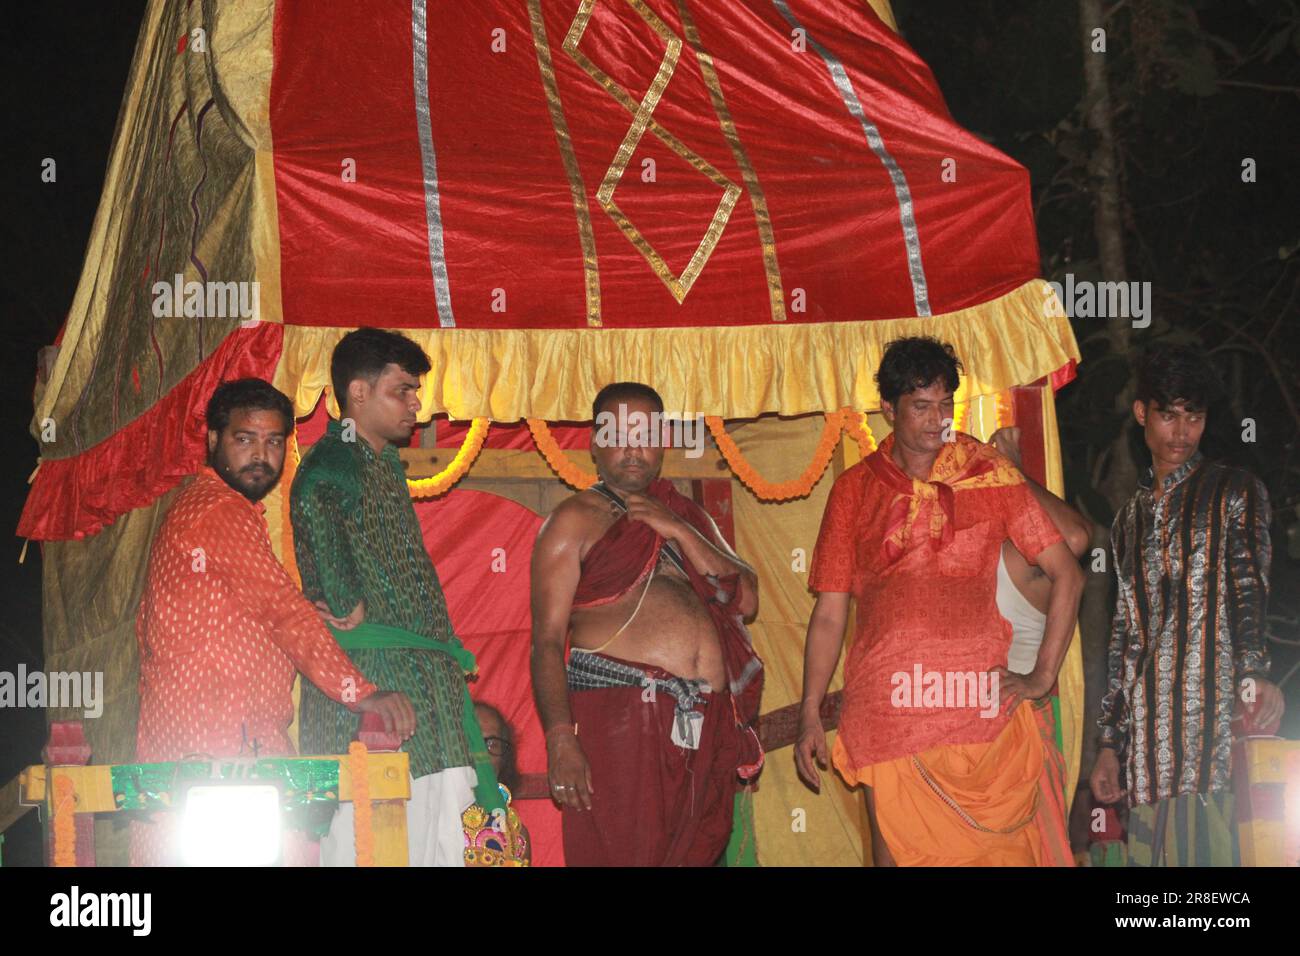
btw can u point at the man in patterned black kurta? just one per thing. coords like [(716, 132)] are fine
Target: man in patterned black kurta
[(362, 559), (1191, 553)]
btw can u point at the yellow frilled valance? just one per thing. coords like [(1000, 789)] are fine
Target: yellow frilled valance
[(728, 371)]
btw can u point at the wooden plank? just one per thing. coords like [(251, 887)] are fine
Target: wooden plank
[(390, 776), (389, 780), (93, 787), (780, 728), (517, 463), (388, 820), (11, 806)]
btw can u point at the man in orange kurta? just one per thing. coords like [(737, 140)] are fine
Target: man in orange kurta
[(950, 745), (222, 627)]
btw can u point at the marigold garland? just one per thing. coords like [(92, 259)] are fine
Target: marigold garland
[(444, 480), (857, 427), (847, 420), (362, 811), (781, 490), (65, 831), (569, 473)]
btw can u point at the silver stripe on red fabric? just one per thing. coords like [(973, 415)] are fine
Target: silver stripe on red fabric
[(901, 191), (429, 162)]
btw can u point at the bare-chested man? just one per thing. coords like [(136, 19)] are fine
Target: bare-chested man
[(651, 721)]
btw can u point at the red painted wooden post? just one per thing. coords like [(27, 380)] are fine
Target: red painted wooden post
[(1028, 400), (374, 736)]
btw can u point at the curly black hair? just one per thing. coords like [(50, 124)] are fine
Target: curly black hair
[(1170, 374), (916, 362)]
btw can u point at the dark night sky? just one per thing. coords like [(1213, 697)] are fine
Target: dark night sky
[(66, 63), (65, 69)]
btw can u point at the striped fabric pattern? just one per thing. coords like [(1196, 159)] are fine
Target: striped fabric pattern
[(1189, 627), (1190, 830)]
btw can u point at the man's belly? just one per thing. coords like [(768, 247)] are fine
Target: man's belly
[(672, 630)]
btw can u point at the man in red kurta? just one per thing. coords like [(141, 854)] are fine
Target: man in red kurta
[(932, 723), (222, 626)]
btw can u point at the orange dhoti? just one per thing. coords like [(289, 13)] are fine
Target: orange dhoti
[(988, 804)]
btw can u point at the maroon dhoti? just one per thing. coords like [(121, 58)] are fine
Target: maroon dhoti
[(654, 803)]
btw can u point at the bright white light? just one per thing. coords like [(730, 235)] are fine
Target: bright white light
[(231, 826)]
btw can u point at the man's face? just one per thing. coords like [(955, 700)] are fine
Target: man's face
[(389, 408), (491, 727), (636, 455), (249, 453), (921, 418), (1172, 433)]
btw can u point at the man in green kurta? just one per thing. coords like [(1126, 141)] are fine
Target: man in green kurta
[(362, 559)]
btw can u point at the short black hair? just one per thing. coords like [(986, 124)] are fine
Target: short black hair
[(1170, 374), (916, 362), (365, 353), (621, 392), (250, 394)]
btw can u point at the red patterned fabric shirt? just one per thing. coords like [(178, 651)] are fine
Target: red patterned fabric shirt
[(221, 629), (923, 569)]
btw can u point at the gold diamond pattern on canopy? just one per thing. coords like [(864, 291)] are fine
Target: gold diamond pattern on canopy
[(643, 119)]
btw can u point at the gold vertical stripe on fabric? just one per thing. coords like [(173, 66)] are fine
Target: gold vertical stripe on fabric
[(643, 120), (762, 219), (577, 189), (1070, 679)]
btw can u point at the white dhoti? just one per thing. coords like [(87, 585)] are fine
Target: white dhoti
[(434, 834)]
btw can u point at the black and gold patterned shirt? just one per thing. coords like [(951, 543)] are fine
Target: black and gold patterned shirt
[(356, 536), (1189, 626)]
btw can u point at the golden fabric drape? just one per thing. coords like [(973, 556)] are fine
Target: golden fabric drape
[(794, 826)]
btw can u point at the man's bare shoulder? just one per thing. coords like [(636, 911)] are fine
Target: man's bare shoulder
[(583, 516)]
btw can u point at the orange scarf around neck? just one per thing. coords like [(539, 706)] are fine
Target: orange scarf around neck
[(963, 464)]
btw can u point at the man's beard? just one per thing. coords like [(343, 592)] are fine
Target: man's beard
[(260, 477), (636, 482)]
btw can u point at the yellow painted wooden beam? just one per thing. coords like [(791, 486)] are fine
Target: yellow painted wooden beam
[(515, 463), (390, 776), (388, 821), (389, 780)]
